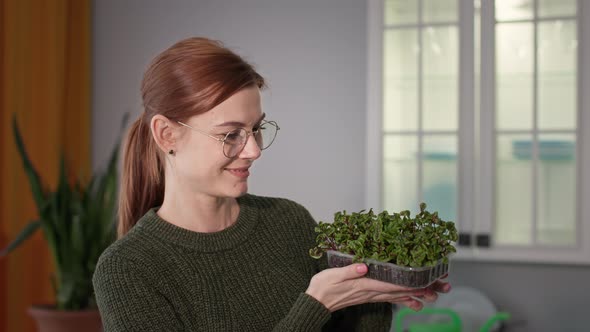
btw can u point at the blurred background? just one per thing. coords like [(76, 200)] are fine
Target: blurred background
[(479, 108)]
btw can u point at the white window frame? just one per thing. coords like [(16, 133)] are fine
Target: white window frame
[(476, 171)]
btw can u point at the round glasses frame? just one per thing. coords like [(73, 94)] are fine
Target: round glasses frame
[(224, 140)]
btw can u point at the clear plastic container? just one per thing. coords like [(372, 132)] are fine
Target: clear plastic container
[(414, 277)]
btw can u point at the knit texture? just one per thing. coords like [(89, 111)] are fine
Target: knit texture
[(251, 276)]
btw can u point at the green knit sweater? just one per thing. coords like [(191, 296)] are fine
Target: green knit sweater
[(251, 276)]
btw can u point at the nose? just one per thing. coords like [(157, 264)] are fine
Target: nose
[(251, 150)]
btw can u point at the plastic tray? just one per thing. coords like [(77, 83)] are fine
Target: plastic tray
[(414, 277)]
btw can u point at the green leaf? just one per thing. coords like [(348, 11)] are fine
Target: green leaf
[(77, 235), (21, 237), (397, 237), (34, 179), (315, 253)]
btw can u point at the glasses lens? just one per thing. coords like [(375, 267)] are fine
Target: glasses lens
[(266, 134), (234, 142)]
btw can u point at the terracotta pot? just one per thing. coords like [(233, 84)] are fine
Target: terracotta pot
[(48, 319)]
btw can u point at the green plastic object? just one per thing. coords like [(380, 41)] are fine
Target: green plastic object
[(498, 317), (452, 325)]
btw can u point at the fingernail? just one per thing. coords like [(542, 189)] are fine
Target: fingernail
[(361, 268), (417, 306)]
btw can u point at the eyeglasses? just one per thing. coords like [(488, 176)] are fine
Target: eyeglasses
[(234, 142)]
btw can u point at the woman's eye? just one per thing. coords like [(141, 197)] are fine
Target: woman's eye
[(233, 137), (258, 129)]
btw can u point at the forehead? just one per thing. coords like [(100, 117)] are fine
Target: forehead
[(243, 107)]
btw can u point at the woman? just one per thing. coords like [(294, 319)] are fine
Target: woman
[(195, 251)]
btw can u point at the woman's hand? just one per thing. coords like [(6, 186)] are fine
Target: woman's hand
[(430, 294), (337, 288)]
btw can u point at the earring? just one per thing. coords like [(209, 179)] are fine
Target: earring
[(171, 152)]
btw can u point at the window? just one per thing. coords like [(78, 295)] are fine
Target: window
[(476, 108)]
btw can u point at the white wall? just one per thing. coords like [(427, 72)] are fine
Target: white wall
[(311, 52)]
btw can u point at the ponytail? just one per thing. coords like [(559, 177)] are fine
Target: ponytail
[(142, 179)]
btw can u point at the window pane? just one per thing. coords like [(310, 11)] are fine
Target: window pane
[(439, 190), (401, 11), (557, 75), (513, 191), (514, 75), (400, 171), (400, 81), (440, 78), (556, 210), (440, 11), (513, 9), (557, 7), (477, 67)]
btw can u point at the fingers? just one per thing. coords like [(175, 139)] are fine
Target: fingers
[(385, 287), (429, 296), (340, 274), (440, 286), (397, 297), (354, 271), (337, 288), (413, 304)]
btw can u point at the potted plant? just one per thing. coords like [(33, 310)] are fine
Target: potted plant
[(77, 220), (397, 248)]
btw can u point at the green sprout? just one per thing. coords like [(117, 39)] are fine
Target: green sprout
[(394, 238)]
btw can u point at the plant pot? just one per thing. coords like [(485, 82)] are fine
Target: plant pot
[(48, 319), (414, 277)]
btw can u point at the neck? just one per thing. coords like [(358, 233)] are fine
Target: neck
[(198, 212)]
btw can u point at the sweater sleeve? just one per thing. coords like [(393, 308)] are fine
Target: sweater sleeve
[(127, 301), (306, 315), (373, 317)]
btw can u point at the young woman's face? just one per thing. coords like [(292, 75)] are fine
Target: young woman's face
[(200, 160)]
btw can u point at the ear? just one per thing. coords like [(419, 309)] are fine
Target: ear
[(164, 132)]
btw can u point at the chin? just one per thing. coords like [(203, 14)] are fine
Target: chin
[(238, 191)]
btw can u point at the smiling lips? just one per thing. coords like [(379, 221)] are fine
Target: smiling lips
[(241, 173)]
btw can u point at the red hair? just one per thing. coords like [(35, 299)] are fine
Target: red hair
[(189, 78)]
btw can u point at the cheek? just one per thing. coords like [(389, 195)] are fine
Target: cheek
[(200, 161), (202, 166)]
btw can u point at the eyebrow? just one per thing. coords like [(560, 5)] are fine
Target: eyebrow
[(237, 123)]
